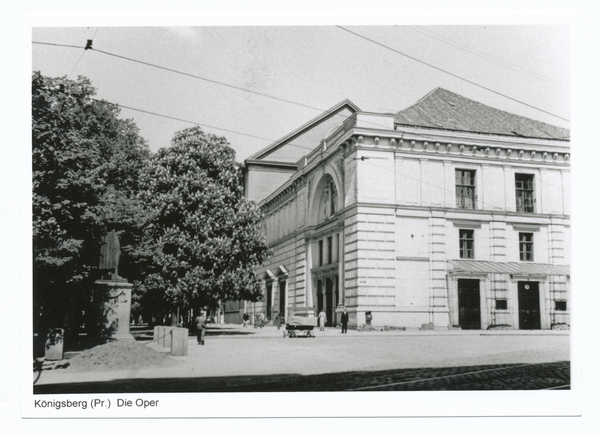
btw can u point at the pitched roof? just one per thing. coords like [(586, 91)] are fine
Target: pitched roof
[(341, 106), (442, 109)]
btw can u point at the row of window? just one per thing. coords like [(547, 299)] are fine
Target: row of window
[(328, 251), (467, 245), (466, 196)]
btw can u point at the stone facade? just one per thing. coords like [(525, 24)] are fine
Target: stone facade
[(421, 226)]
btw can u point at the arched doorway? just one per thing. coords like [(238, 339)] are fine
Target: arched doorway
[(325, 246)]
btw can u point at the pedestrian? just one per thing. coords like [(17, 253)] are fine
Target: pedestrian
[(200, 328), (277, 321), (246, 317), (344, 321), (322, 320)]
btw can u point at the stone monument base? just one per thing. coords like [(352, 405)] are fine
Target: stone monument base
[(117, 309)]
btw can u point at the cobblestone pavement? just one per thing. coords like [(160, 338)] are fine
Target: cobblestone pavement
[(235, 359), (487, 377)]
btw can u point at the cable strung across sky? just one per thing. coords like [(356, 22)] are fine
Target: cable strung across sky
[(88, 46), (451, 74)]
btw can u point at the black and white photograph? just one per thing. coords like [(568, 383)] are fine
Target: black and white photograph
[(301, 219)]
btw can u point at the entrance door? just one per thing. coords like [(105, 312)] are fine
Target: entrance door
[(469, 313), (269, 299), (329, 308), (319, 296), (529, 305), (282, 298)]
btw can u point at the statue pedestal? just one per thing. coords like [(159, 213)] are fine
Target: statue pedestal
[(117, 309)]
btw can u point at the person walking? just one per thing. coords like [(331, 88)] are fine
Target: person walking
[(344, 321), (200, 328), (246, 317), (322, 320), (277, 321)]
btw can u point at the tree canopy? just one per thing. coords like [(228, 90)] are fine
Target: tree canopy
[(85, 160), (202, 238), (188, 236)]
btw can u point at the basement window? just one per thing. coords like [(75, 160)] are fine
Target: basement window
[(501, 305), (560, 305)]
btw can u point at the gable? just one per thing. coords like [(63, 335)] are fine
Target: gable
[(303, 140)]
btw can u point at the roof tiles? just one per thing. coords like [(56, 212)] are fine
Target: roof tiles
[(442, 109)]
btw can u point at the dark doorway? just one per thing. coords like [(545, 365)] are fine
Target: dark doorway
[(319, 296), (282, 297), (469, 311), (529, 305), (269, 298), (330, 309)]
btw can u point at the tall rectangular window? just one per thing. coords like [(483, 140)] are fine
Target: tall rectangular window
[(466, 243), (465, 189), (320, 252), (526, 246), (524, 192), (329, 250)]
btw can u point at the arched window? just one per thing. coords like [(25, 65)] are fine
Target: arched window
[(329, 198)]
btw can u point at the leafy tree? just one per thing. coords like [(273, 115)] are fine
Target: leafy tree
[(85, 161), (203, 239)]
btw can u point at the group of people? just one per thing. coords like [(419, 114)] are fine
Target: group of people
[(323, 320), (259, 321)]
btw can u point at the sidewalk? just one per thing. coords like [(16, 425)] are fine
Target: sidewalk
[(238, 330), (236, 352)]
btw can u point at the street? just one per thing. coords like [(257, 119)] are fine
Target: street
[(241, 359)]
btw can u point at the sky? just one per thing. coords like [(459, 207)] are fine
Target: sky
[(297, 66)]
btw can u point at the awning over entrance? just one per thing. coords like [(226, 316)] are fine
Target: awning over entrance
[(470, 266)]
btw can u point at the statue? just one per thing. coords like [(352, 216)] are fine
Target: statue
[(110, 252)]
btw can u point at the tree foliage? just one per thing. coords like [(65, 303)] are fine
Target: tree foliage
[(203, 239), (85, 160)]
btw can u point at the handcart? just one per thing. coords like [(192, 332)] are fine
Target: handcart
[(299, 326)]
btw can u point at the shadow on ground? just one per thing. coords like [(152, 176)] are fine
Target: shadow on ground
[(483, 377), (228, 332), (147, 334)]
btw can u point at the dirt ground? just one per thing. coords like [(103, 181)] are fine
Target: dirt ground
[(117, 356)]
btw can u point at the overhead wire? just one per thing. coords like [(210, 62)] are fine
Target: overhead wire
[(179, 119), (287, 100), (82, 53), (199, 78), (194, 122), (271, 96), (191, 75), (481, 54), (450, 73), (206, 79)]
